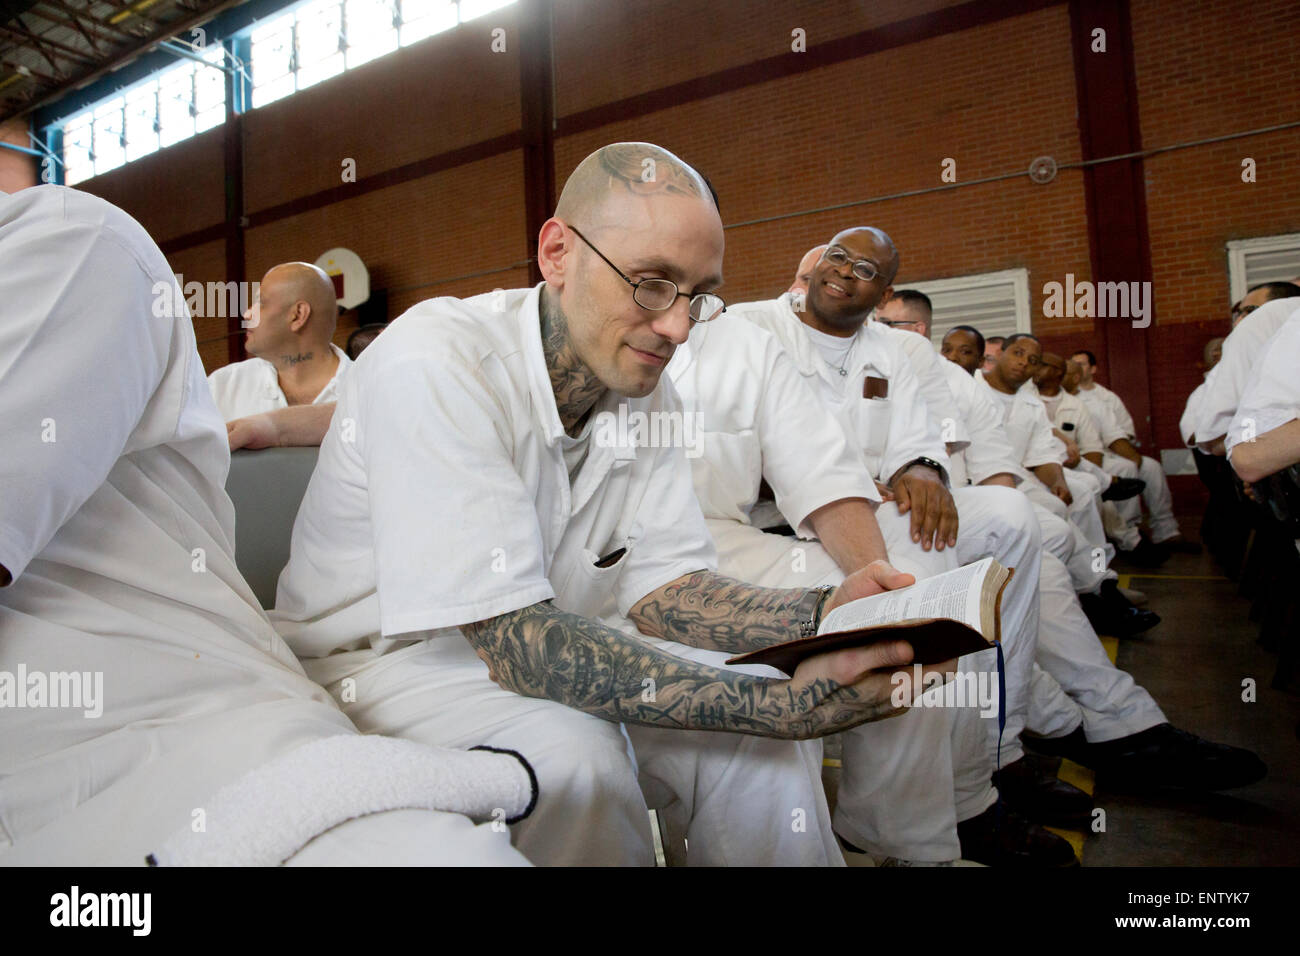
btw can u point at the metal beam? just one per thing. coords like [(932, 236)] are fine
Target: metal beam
[(125, 56)]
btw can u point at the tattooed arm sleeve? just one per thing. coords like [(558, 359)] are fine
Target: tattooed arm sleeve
[(705, 609), (541, 651)]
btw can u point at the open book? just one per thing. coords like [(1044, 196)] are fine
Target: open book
[(943, 617)]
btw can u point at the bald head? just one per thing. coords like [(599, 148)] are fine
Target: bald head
[(803, 274), (296, 306), (596, 193), (630, 212)]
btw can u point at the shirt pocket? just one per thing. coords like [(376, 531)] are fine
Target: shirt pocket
[(873, 422), (591, 590)]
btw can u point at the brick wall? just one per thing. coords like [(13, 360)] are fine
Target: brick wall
[(991, 96)]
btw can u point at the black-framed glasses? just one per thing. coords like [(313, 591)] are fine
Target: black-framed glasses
[(864, 269), (658, 295)]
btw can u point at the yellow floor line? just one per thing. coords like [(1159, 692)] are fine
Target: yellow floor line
[(831, 762)]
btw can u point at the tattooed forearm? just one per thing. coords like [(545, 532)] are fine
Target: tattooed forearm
[(541, 651), (576, 387), (705, 609)]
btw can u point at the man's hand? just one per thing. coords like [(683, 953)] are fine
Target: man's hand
[(934, 513), (876, 577), (885, 493), (1062, 491), (849, 687), (255, 431), (1071, 450)]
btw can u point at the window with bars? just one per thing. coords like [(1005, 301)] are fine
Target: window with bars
[(321, 38), (290, 51), (172, 105), (1266, 259)]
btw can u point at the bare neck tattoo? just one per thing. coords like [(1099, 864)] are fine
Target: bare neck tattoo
[(288, 361), (575, 386)]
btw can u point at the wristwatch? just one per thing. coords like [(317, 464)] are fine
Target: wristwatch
[(929, 463), (809, 627)]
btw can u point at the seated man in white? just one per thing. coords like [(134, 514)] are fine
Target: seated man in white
[(1028, 429), (471, 523), (117, 563), (760, 422), (1105, 404), (1074, 426), (290, 328), (1110, 608), (877, 401), (1078, 699), (1264, 436), (1226, 383)]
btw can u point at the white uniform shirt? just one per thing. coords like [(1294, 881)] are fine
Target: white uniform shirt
[(927, 363), (1027, 428), (1273, 396), (989, 452), (1228, 380), (116, 527), (1100, 397), (252, 386), (1066, 409), (442, 495), (1187, 424), (890, 431), (760, 419)]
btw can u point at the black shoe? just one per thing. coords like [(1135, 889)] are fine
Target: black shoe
[(1071, 746), (1164, 757), (1043, 798), (1160, 757), (1121, 489), (1112, 614), (1147, 554), (1001, 837)]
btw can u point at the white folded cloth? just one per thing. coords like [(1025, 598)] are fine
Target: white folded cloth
[(272, 812)]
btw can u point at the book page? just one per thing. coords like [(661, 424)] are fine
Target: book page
[(954, 594)]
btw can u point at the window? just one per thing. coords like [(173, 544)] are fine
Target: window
[(168, 107), (1267, 259), (297, 47), (996, 303), (321, 38)]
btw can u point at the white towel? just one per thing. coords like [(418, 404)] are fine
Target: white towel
[(272, 812)]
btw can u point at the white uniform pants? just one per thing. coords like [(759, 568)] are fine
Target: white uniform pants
[(1087, 566), (896, 795), (1078, 683), (1155, 496), (1082, 513), (736, 794)]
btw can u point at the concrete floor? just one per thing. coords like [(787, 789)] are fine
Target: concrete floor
[(1194, 663)]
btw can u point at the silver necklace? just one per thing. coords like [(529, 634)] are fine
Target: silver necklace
[(843, 370)]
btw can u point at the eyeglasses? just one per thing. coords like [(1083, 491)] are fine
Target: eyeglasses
[(658, 295), (864, 269)]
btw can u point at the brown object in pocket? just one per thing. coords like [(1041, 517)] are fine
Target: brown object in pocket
[(873, 387)]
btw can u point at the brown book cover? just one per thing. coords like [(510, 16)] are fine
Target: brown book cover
[(933, 640)]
